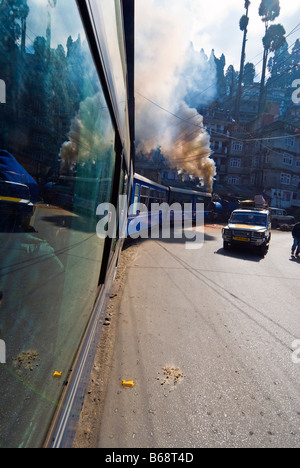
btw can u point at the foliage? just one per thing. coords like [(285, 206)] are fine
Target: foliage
[(53, 76), (274, 38), (244, 21), (269, 10)]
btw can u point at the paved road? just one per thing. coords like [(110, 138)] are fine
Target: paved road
[(222, 324)]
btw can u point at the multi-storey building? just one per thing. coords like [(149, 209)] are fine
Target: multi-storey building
[(264, 156), (276, 164), (217, 123), (238, 161), (249, 103)]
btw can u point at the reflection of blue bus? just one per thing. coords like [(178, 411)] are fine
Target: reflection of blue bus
[(79, 194), (145, 193), (12, 171), (15, 206), (192, 197), (18, 194)]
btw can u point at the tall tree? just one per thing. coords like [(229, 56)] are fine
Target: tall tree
[(11, 14), (249, 74), (278, 67), (244, 21), (51, 4), (24, 11), (221, 82), (274, 38), (231, 78), (295, 61)]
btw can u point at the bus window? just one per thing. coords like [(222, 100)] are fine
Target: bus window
[(155, 197), (144, 195), (136, 199), (164, 197), (205, 200)]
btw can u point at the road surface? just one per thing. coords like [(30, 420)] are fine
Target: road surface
[(207, 336)]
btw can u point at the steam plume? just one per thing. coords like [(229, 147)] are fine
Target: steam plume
[(90, 138), (167, 70)]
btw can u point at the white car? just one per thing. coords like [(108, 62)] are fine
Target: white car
[(280, 217), (249, 228)]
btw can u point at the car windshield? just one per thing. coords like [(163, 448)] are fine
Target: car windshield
[(249, 219)]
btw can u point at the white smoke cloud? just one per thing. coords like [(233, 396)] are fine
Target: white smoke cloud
[(171, 79)]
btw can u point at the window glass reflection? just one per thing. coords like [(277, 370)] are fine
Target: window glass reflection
[(110, 30), (57, 162)]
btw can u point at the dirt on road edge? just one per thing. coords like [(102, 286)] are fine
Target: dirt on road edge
[(88, 430)]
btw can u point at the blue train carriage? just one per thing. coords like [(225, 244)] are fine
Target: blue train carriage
[(194, 198), (143, 211)]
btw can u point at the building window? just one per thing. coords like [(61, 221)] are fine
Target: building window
[(235, 162), (237, 146), (217, 145), (233, 180), (287, 159), (285, 179), (295, 181), (290, 141), (286, 196)]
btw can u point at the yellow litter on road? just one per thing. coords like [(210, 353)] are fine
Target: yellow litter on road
[(129, 383)]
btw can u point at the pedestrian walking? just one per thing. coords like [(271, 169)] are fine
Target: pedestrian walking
[(296, 237)]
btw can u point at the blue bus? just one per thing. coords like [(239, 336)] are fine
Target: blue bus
[(150, 201)]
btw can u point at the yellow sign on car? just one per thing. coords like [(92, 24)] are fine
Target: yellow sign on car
[(241, 239)]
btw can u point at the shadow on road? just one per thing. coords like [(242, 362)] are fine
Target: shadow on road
[(241, 253), (172, 239)]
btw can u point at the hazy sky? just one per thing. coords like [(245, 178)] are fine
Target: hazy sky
[(214, 24), (220, 28), (166, 68), (209, 24)]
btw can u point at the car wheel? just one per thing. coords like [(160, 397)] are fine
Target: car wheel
[(263, 250)]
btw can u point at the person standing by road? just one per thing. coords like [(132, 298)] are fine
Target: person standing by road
[(296, 236)]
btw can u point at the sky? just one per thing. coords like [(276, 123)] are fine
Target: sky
[(167, 68), (219, 28), (214, 24)]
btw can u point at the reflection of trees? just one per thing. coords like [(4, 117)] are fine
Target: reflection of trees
[(44, 90), (87, 154), (13, 16)]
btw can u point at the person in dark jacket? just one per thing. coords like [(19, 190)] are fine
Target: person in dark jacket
[(296, 236)]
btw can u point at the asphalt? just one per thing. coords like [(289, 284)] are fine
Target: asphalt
[(206, 336)]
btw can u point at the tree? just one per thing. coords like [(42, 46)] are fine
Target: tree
[(232, 78), (278, 67), (244, 21), (24, 11), (274, 38), (249, 74), (269, 10), (13, 15), (221, 82)]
